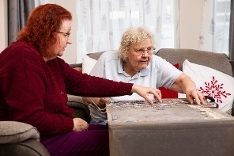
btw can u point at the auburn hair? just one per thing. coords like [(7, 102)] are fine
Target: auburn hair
[(41, 27)]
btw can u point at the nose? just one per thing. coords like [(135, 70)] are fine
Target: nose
[(69, 40), (145, 52)]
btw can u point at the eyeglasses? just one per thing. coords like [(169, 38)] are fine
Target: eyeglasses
[(149, 50), (67, 35)]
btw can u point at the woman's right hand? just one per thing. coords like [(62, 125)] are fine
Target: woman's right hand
[(80, 124), (145, 91)]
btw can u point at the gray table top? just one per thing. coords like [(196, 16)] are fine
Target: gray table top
[(171, 110)]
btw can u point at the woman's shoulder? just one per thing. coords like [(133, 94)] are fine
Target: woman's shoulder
[(157, 58), (21, 44), (22, 50)]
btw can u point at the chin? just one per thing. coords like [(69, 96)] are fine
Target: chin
[(141, 67), (60, 54), (144, 65)]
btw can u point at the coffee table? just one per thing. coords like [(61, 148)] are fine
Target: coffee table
[(172, 128)]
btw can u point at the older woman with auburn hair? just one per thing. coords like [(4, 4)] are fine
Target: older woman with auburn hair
[(135, 63), (35, 83)]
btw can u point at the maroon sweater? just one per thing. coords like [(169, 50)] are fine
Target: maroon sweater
[(35, 92)]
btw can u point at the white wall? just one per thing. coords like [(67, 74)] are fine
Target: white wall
[(70, 53), (191, 12), (3, 25), (190, 25)]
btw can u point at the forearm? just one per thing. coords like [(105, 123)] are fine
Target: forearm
[(187, 84), (183, 83), (90, 86), (192, 94)]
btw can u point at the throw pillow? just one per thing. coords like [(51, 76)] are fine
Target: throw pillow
[(212, 83), (168, 93), (87, 64)]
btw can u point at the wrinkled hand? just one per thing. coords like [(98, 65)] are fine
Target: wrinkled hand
[(195, 96), (80, 124), (145, 91)]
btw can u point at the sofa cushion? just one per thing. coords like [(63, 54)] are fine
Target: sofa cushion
[(87, 64), (16, 132), (95, 55), (212, 83), (217, 61), (168, 93), (78, 104), (76, 101), (30, 147)]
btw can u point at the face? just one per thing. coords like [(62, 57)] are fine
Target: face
[(63, 38), (139, 55)]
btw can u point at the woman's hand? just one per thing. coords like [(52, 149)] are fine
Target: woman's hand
[(80, 124), (194, 96), (145, 91), (185, 85)]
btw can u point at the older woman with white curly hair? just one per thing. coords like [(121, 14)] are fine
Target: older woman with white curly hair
[(135, 63)]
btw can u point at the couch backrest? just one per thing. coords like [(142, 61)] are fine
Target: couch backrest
[(218, 61), (95, 55)]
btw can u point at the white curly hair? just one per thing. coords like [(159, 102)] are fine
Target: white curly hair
[(132, 36)]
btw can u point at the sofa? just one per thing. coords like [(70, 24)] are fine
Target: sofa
[(21, 139)]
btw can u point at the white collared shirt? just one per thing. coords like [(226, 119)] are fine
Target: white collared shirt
[(158, 73)]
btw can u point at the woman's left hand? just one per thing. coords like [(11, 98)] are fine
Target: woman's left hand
[(185, 85), (195, 96)]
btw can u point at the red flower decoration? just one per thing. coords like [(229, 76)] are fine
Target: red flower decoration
[(215, 90)]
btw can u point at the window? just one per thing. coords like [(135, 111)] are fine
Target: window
[(215, 29), (222, 18)]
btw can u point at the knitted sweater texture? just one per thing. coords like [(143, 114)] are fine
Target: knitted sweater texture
[(35, 92)]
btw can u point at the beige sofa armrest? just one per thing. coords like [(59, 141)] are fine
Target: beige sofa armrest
[(15, 132)]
